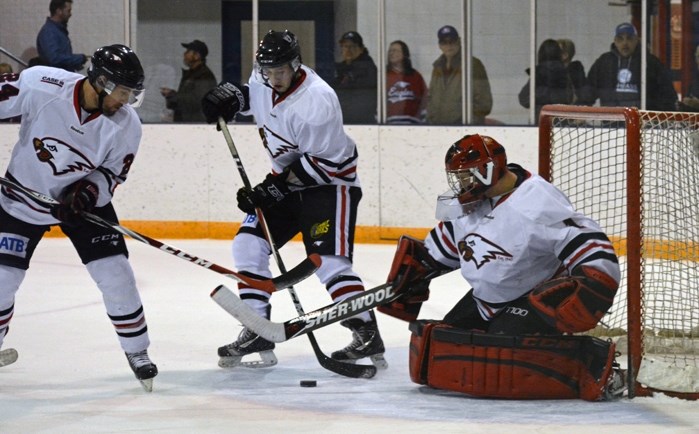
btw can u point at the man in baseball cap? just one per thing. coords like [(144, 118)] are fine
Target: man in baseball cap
[(355, 80), (197, 79), (615, 77), (445, 102), (198, 47)]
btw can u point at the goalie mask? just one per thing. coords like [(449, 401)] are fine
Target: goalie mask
[(277, 49), (473, 165)]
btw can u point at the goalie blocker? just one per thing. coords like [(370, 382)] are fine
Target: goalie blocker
[(410, 275), (513, 367)]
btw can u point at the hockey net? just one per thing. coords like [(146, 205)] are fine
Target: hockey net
[(637, 173)]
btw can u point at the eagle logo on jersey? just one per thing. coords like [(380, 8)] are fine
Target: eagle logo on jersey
[(62, 157), (480, 251)]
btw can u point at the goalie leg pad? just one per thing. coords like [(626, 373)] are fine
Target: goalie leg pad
[(576, 303), (419, 349), (513, 367)]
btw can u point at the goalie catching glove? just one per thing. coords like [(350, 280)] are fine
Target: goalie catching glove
[(411, 272), (576, 303), (225, 100), (78, 197), (264, 195)]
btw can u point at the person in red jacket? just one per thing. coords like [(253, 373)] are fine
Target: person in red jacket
[(406, 91)]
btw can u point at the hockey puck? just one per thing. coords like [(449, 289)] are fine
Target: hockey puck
[(308, 383)]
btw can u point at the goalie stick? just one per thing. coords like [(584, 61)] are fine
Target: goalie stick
[(304, 269), (308, 322), (342, 368)]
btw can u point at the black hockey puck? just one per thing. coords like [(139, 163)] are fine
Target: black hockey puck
[(308, 383)]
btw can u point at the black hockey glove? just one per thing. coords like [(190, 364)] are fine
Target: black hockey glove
[(225, 100), (264, 195), (78, 197)]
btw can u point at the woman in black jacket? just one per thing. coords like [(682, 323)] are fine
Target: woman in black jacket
[(553, 86)]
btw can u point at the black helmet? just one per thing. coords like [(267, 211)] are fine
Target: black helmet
[(277, 49), (117, 64)]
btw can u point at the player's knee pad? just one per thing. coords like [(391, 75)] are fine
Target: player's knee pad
[(575, 303), (10, 279), (251, 253), (333, 266), (115, 279), (513, 367)]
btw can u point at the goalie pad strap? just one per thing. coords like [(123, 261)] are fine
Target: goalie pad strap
[(512, 367)]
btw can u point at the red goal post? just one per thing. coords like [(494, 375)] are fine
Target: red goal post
[(637, 173)]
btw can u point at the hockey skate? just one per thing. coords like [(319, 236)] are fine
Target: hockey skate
[(143, 368), (248, 342), (366, 342), (616, 385), (8, 357)]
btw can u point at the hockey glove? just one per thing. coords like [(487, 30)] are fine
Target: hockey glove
[(410, 274), (576, 303), (225, 100), (264, 195), (78, 197)]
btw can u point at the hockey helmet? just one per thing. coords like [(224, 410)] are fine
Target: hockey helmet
[(277, 49), (473, 165), (117, 70)]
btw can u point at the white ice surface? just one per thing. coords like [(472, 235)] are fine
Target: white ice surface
[(71, 376)]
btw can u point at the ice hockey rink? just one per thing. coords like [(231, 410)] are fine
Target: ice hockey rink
[(71, 376)]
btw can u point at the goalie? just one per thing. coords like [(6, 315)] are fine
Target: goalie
[(539, 271)]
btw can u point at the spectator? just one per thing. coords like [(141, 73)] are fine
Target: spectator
[(53, 43), (552, 83), (195, 82), (615, 77), (444, 105), (690, 103), (355, 81), (406, 91), (576, 71)]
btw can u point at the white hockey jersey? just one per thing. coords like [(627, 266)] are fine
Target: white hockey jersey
[(305, 123), (60, 143), (510, 244)]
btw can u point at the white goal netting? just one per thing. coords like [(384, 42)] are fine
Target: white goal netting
[(653, 222)]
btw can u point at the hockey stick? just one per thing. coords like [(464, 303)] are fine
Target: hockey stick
[(305, 323), (342, 368), (307, 267)]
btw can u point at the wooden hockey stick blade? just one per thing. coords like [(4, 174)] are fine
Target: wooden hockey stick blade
[(351, 370), (303, 270), (280, 332)]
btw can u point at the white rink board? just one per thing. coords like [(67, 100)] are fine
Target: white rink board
[(186, 172)]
